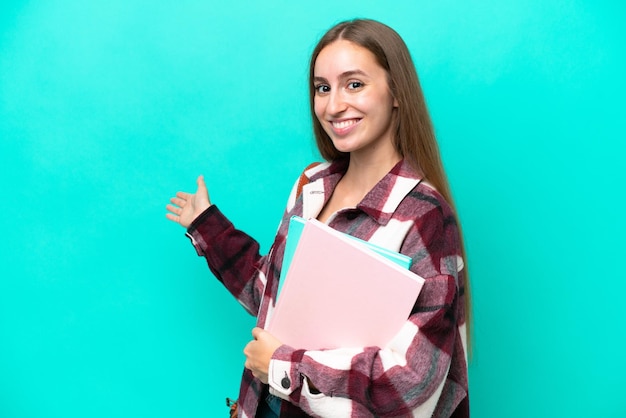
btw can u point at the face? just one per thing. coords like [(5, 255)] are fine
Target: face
[(352, 99)]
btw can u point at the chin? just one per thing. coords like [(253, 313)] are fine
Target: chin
[(341, 146)]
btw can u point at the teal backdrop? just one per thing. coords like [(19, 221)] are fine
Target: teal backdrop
[(107, 108)]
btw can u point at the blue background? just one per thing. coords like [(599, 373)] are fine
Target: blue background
[(108, 108)]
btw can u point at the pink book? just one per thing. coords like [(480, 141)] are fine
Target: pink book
[(339, 293)]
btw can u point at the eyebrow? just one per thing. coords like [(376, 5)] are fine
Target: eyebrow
[(345, 74)]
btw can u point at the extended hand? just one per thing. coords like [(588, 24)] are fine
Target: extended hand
[(259, 353), (186, 207)]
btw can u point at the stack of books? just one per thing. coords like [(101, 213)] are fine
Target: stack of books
[(337, 291)]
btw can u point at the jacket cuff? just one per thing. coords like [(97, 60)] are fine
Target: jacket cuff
[(283, 375), (197, 231)]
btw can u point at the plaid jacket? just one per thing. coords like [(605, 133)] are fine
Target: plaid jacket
[(423, 371)]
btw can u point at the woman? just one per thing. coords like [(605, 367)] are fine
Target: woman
[(383, 182)]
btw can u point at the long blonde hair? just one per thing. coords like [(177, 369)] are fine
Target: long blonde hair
[(414, 133)]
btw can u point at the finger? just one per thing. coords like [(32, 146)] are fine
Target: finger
[(172, 217), (255, 371), (174, 209), (201, 185), (256, 332), (202, 188), (248, 366), (178, 202), (247, 350), (183, 195)]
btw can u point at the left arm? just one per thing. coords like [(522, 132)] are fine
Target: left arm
[(408, 375)]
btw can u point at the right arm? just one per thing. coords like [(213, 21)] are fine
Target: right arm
[(232, 255)]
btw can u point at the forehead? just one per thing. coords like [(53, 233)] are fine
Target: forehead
[(343, 56)]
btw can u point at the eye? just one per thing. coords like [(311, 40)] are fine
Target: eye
[(353, 85), (322, 89)]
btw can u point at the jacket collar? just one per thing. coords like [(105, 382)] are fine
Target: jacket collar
[(380, 203)]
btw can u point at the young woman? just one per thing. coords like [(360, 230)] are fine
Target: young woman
[(383, 182)]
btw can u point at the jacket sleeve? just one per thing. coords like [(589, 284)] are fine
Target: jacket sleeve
[(408, 375), (232, 256)]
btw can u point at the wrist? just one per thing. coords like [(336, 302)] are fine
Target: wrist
[(201, 217)]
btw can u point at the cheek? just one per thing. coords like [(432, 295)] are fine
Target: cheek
[(318, 107), (379, 104)]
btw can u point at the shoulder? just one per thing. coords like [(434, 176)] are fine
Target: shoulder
[(316, 171), (424, 200), (434, 225), (319, 170)]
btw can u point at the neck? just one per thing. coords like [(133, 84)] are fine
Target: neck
[(364, 171)]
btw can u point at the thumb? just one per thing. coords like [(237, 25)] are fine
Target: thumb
[(202, 189), (257, 332), (200, 182)]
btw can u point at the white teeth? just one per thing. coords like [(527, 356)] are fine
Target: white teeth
[(344, 123)]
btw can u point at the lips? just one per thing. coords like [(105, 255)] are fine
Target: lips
[(343, 126)]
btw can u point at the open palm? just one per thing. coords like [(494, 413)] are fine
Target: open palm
[(186, 207)]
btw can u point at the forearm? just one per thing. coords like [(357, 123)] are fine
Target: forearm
[(231, 255)]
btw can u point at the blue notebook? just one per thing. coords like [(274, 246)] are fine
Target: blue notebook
[(296, 225)]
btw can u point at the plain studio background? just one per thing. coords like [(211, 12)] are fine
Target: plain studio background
[(109, 107)]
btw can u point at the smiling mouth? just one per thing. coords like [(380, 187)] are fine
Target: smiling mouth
[(343, 127), (343, 124)]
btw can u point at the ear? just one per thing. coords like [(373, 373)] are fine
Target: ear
[(395, 102)]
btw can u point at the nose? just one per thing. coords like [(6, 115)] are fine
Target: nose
[(336, 102)]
